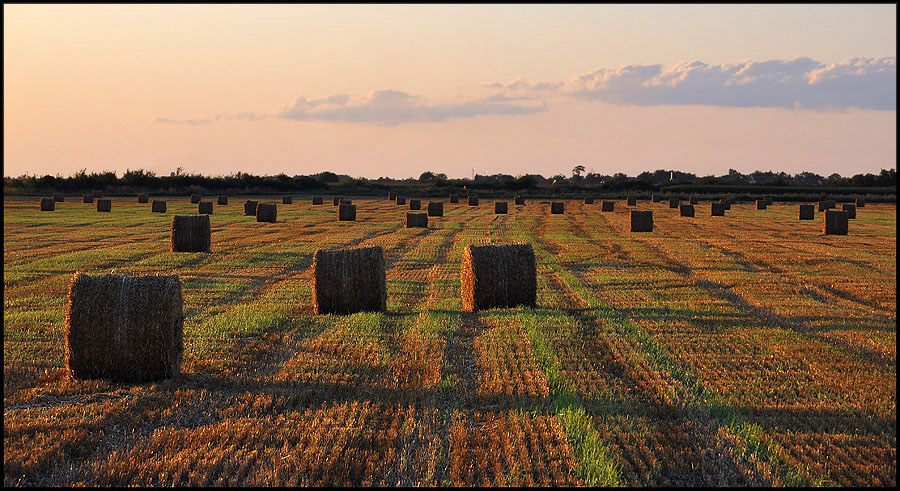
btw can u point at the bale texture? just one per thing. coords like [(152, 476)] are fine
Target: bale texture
[(266, 212), (142, 198), (641, 221), (205, 207), (520, 200), (349, 280), (473, 200), (807, 212), (761, 204), (717, 209), (454, 198), (346, 213), (415, 204), (400, 200), (501, 207), (317, 200), (190, 233), (826, 205), (48, 204), (860, 202), (835, 222), (124, 328), (416, 220), (58, 197), (435, 209), (557, 208), (336, 200), (631, 201), (287, 200), (195, 198), (250, 207), (588, 201), (87, 198), (686, 210), (158, 206), (674, 202), (607, 206), (104, 205), (498, 276), (850, 209), (222, 200)]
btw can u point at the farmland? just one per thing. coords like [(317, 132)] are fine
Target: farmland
[(748, 349)]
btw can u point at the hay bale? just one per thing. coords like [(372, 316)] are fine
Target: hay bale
[(826, 205), (473, 200), (761, 204), (415, 204), (205, 208), (807, 212), (641, 221), (98, 193), (158, 206), (142, 198), (435, 209), (48, 204), (391, 195), (674, 202), (250, 207), (686, 210), (607, 206), (655, 199), (557, 208), (860, 202), (349, 280), (454, 198), (769, 201), (345, 201), (336, 200), (222, 200), (631, 201), (317, 200), (190, 233), (287, 200), (195, 198), (400, 200), (850, 209), (501, 207), (588, 201), (498, 276), (266, 212), (87, 198), (835, 223), (58, 197), (104, 205), (693, 200), (717, 209), (124, 328), (416, 220), (520, 200), (346, 213), (727, 202)]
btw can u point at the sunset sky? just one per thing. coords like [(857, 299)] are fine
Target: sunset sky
[(394, 90)]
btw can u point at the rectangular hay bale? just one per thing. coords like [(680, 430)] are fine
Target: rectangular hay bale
[(850, 209), (336, 200), (190, 233), (349, 280), (250, 208), (104, 205), (266, 212), (835, 222), (195, 198), (87, 198), (287, 200), (826, 205), (674, 202), (501, 276), (631, 201), (588, 201), (608, 206), (400, 200), (48, 204), (346, 213), (807, 212), (761, 204), (501, 207), (317, 200), (557, 208), (520, 200), (435, 209), (641, 221), (454, 198), (415, 204), (205, 208), (414, 220), (222, 200), (473, 200), (717, 209), (142, 198), (158, 206), (686, 210)]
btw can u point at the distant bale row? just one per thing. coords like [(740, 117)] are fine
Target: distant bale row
[(287, 200), (498, 276)]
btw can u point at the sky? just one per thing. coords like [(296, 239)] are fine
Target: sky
[(395, 90)]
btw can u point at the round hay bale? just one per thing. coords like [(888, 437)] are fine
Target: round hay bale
[(498, 276), (807, 212), (631, 201), (124, 328), (195, 198), (266, 212), (250, 207), (143, 198), (317, 200), (454, 198), (222, 200), (58, 197), (860, 202), (205, 207), (158, 206), (608, 206), (190, 233), (416, 220), (641, 221), (761, 204), (835, 223), (104, 205), (87, 198), (686, 210), (717, 209), (557, 208), (287, 200), (850, 209), (336, 200), (400, 200), (48, 204), (520, 200), (435, 209), (349, 280), (674, 202), (346, 213), (588, 201), (473, 201), (501, 207), (415, 204)]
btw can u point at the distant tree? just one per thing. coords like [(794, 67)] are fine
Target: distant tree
[(426, 176), (328, 177), (576, 172)]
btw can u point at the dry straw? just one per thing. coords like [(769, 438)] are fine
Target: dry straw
[(807, 212), (287, 200), (557, 208), (250, 207), (48, 204), (686, 210), (520, 200), (58, 197), (266, 212), (835, 222), (349, 280), (124, 328), (222, 200), (87, 198), (850, 209), (674, 202), (400, 200), (641, 221), (588, 201), (104, 205), (717, 209), (607, 206), (416, 220), (336, 200), (195, 198), (190, 233), (435, 209), (498, 276), (473, 200), (501, 207), (205, 207), (158, 206), (346, 213), (761, 204), (415, 204), (317, 200), (631, 201)]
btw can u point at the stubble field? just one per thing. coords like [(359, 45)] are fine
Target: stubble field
[(748, 349)]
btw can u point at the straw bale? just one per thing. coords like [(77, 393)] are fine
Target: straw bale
[(501, 207), (835, 222), (87, 198), (435, 209), (454, 198), (415, 204), (48, 204), (826, 205), (317, 200), (860, 202), (195, 198), (807, 212), (557, 208), (588, 201), (674, 202), (686, 210), (349, 280), (346, 213), (205, 207), (400, 200), (850, 209), (631, 201), (58, 197), (520, 200), (336, 200), (641, 221), (727, 202), (250, 208), (190, 233), (287, 200), (655, 199), (416, 220), (142, 198), (124, 328), (473, 200), (158, 206), (104, 205), (761, 204), (222, 199), (607, 206), (717, 209), (498, 276), (266, 212), (391, 195), (345, 201)]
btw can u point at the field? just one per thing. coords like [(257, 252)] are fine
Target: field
[(748, 349)]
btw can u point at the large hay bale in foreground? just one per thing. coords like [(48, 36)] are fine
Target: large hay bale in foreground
[(336, 200), (835, 222), (501, 207), (435, 209), (124, 328), (498, 276), (48, 204), (349, 280), (250, 208), (222, 200), (195, 198), (58, 197), (104, 205), (717, 209), (158, 206), (608, 206), (520, 200), (317, 200), (205, 207), (641, 221), (761, 204), (346, 213), (860, 202), (143, 198), (473, 200), (287, 200), (415, 204), (807, 212), (266, 212), (686, 210), (588, 201), (631, 201), (190, 233), (454, 198), (674, 202), (850, 209), (87, 198), (557, 208), (826, 205), (414, 220), (400, 200)]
